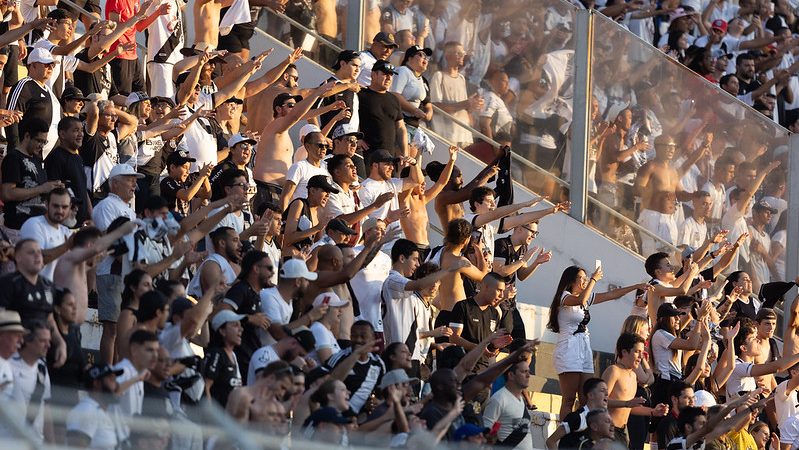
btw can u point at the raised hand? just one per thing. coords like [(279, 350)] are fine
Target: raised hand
[(383, 198), (597, 275), (295, 55), (729, 334), (453, 152)]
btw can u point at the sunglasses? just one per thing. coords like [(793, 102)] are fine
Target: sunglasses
[(320, 145)]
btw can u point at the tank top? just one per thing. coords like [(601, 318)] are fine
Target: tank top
[(195, 285)]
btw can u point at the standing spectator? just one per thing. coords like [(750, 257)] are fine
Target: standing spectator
[(693, 232), (143, 358), (448, 92), (508, 408), (723, 175), (276, 301), (221, 371), (65, 164), (412, 89), (32, 381), (89, 423), (24, 178), (125, 69), (48, 230), (495, 117), (383, 45), (33, 97), (296, 185), (67, 379), (381, 113), (105, 127), (760, 259), (180, 187), (347, 67), (326, 343), (164, 41), (380, 181)]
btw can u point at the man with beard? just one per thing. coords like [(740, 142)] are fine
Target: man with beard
[(276, 301), (24, 178), (296, 345), (221, 266), (242, 298), (88, 423), (65, 164), (507, 407), (48, 230)]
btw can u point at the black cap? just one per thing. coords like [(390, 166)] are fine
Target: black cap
[(347, 56), (669, 310), (73, 93), (235, 100), (413, 50), (98, 371), (306, 339), (386, 39), (282, 97), (156, 100), (178, 158), (762, 205), (322, 182), (382, 155), (341, 226), (384, 66)]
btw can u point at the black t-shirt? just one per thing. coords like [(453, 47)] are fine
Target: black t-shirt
[(99, 154), (217, 190), (225, 373), (503, 248), (575, 425), (32, 302), (96, 82), (25, 172), (63, 165), (477, 323), (378, 115), (364, 377), (346, 96), (667, 430), (432, 414), (67, 379), (244, 300), (169, 190)]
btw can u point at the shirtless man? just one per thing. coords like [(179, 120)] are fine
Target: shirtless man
[(414, 225), (88, 248), (623, 383), (206, 23), (451, 291), (659, 175), (449, 202), (253, 403), (275, 150), (612, 153)]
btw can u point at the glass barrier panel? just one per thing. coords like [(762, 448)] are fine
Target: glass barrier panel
[(660, 136)]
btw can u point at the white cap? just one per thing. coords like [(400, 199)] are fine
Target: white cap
[(704, 399), (223, 317), (238, 138), (136, 97), (334, 300), (124, 170), (307, 129), (296, 268), (41, 55)]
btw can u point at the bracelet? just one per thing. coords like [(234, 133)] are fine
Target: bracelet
[(593, 279)]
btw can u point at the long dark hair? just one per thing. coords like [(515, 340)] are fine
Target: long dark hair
[(567, 279), (131, 281)]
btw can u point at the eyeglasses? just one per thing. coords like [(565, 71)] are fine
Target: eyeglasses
[(289, 105), (534, 232), (320, 145), (351, 141)]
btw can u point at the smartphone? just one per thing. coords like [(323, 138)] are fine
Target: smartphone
[(597, 264)]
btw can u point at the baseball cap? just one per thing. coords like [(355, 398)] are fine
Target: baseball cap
[(384, 66), (73, 93), (340, 226), (347, 56), (156, 100), (322, 182), (178, 158), (386, 39), (305, 337), (296, 268), (679, 13), (468, 430), (136, 97), (719, 24), (412, 51), (669, 310), (282, 97), (223, 317), (704, 399), (235, 100), (328, 414), (98, 371), (124, 170), (370, 223), (395, 376), (346, 129), (238, 138), (335, 300), (10, 321), (382, 155), (41, 55), (307, 129), (763, 205)]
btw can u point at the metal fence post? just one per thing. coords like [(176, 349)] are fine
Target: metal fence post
[(355, 38), (581, 118), (792, 247)]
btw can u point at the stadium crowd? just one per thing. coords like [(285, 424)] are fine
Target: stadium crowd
[(290, 279)]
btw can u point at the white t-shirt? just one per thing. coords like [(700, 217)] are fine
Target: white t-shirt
[(48, 236), (67, 64), (371, 189), (780, 237), (25, 380), (718, 196), (446, 89), (734, 221), (399, 308), (275, 307), (130, 401), (324, 339), (488, 233), (692, 233), (368, 61), (179, 347), (103, 214), (667, 361), (662, 225), (6, 380), (367, 285), (423, 315), (299, 173), (88, 418), (741, 379), (259, 359), (757, 266), (505, 408), (495, 107), (785, 403), (409, 86)]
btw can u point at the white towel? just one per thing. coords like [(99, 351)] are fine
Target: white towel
[(239, 12)]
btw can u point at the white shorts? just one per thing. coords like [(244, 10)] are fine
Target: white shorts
[(160, 77), (573, 354)]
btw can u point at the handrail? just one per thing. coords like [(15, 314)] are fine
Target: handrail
[(302, 27)]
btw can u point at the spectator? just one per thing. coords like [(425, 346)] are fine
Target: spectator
[(412, 89), (382, 47), (32, 381), (48, 229), (89, 424), (381, 112), (65, 164), (448, 92), (221, 370)]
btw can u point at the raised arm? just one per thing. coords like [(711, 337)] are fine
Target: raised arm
[(282, 124), (443, 179)]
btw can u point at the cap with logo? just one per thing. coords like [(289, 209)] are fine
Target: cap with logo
[(136, 97), (346, 129), (124, 170), (763, 205), (384, 66), (322, 182), (386, 39), (178, 158), (719, 24), (305, 337), (99, 371), (296, 268), (73, 93), (333, 300), (413, 50)]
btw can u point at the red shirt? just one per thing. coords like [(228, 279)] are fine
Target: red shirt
[(126, 9)]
